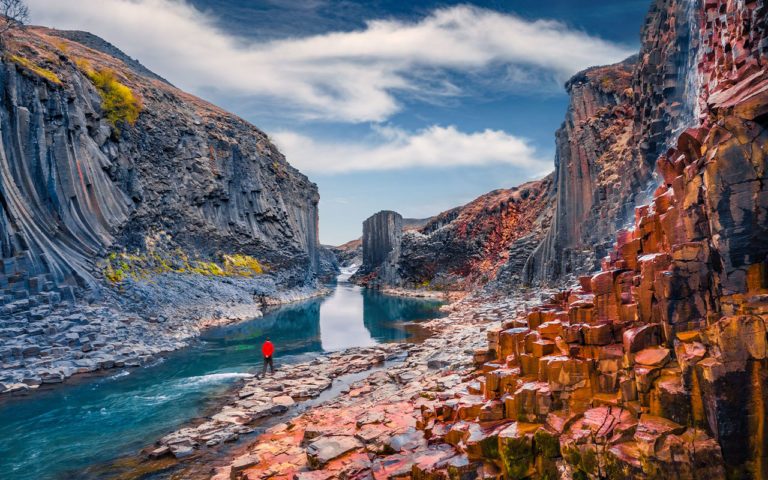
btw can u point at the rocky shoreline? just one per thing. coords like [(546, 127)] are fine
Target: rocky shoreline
[(372, 414), (446, 295), (45, 344)]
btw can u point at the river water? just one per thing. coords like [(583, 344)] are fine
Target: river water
[(54, 434)]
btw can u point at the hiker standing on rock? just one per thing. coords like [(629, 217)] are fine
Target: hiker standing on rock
[(268, 349)]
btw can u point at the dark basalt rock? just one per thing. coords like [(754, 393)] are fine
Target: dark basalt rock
[(459, 249), (186, 176), (382, 238)]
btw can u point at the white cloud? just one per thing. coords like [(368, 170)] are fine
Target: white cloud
[(349, 76), (434, 147)]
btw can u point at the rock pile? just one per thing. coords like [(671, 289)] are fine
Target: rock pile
[(655, 365)]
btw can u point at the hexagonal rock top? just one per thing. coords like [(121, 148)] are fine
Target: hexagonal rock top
[(652, 357)]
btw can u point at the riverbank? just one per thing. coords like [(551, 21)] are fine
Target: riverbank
[(386, 399), (95, 426), (370, 430), (45, 345), (444, 295)]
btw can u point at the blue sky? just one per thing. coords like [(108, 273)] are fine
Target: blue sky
[(411, 106)]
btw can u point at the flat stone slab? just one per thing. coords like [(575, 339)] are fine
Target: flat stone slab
[(652, 357), (325, 449)]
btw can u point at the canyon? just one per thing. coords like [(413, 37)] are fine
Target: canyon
[(607, 321), (649, 361)]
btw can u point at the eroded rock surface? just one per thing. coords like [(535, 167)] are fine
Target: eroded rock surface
[(620, 118)]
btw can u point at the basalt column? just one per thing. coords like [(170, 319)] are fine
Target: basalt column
[(382, 237)]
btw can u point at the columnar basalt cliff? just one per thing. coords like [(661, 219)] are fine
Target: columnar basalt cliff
[(187, 215), (382, 239), (460, 249), (620, 119), (75, 188), (655, 366)]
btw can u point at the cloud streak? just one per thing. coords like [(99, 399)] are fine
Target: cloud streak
[(433, 147), (356, 76)]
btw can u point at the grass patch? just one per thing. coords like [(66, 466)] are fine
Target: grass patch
[(117, 100), (39, 71), (118, 266)]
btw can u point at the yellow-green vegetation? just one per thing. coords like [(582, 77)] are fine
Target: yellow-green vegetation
[(244, 264), (39, 71), (118, 266), (118, 102), (83, 64)]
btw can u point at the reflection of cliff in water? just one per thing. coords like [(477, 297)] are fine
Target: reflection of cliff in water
[(382, 312), (295, 328), (350, 317)]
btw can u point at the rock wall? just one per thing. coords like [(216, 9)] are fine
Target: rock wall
[(186, 176), (620, 119), (463, 248), (654, 367), (349, 255)]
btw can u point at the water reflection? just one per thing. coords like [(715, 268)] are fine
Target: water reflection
[(341, 325), (384, 315)]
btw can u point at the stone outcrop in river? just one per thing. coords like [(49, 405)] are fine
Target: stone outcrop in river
[(382, 239), (117, 188)]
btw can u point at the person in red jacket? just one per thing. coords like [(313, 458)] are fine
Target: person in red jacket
[(267, 350)]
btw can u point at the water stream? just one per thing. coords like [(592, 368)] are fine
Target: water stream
[(55, 433)]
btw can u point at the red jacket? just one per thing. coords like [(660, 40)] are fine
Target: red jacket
[(268, 349)]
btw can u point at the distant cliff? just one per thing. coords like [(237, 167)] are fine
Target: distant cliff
[(460, 249), (188, 188), (381, 242)]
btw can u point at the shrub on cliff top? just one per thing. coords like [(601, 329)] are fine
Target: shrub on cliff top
[(118, 102)]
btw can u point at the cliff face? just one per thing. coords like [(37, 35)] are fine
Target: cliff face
[(460, 249), (654, 367), (620, 119), (187, 177), (349, 255)]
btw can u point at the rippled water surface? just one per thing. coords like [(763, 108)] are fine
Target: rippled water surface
[(51, 434)]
